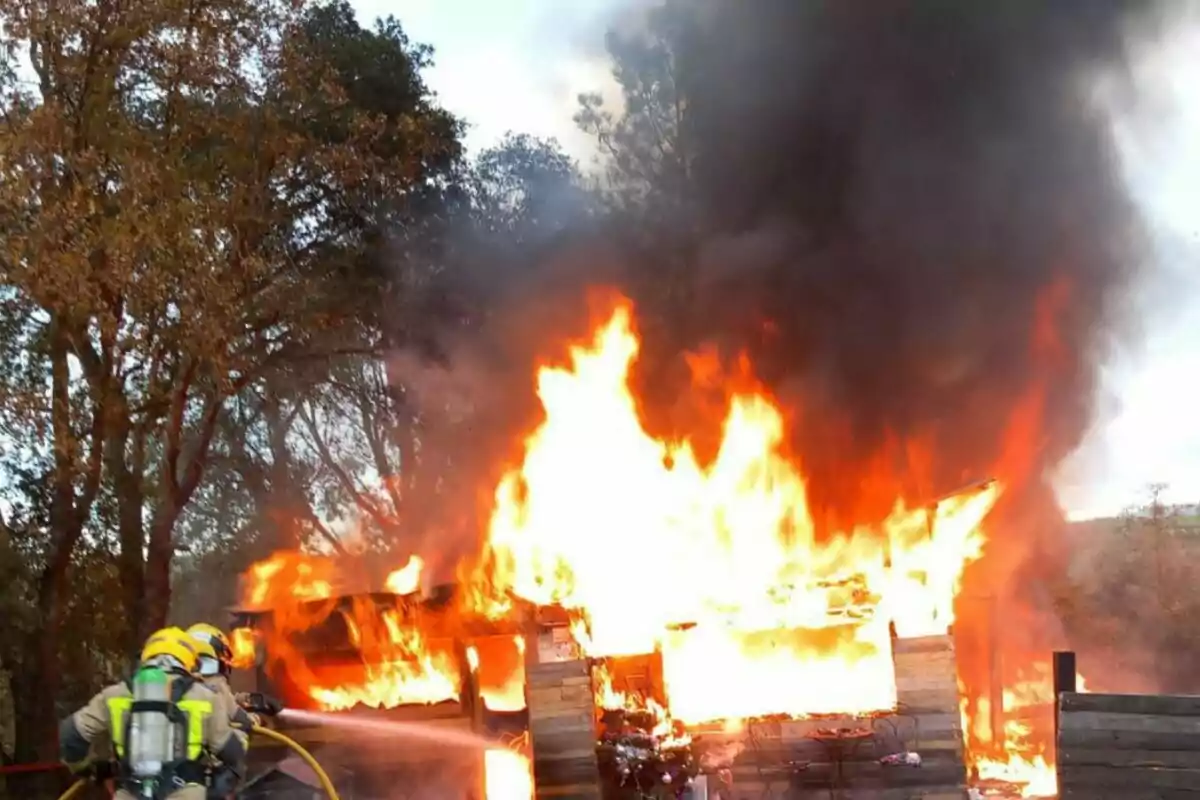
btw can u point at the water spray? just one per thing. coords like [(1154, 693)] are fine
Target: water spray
[(387, 728), (506, 772)]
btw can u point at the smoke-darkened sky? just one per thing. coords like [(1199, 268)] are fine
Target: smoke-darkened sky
[(546, 77), (907, 192)]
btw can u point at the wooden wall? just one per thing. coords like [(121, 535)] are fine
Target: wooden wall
[(562, 730), (562, 717), (1128, 747), (927, 693)]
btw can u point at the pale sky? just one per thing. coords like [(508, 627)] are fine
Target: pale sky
[(519, 64), (1151, 432), (510, 64)]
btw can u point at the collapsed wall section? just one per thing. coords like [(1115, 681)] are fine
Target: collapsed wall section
[(915, 752)]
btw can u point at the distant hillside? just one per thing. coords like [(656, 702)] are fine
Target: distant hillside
[(1184, 517)]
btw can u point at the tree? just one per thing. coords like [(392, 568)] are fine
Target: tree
[(526, 191), (388, 446), (647, 144), (191, 196), (649, 147), (1131, 601)]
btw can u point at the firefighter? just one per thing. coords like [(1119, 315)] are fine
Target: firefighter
[(245, 707), (214, 665), (221, 781), (162, 722)]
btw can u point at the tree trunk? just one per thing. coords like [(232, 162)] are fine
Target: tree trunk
[(34, 693), (127, 484), (179, 483), (34, 689), (36, 685), (156, 598), (40, 676), (282, 505)]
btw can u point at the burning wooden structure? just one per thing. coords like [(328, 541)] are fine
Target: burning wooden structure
[(435, 742), (464, 667), (914, 751), (749, 606)]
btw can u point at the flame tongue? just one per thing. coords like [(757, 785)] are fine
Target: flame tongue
[(407, 579), (1024, 754), (727, 549), (387, 659), (401, 668)]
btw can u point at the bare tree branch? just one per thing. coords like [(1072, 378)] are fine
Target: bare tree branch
[(361, 499)]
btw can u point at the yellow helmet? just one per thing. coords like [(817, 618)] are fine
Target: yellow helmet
[(217, 648), (174, 644)]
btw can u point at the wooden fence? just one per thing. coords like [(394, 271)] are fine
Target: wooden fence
[(1128, 747)]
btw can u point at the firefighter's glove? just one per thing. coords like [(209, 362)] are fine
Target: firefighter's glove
[(272, 705), (260, 703), (98, 771)]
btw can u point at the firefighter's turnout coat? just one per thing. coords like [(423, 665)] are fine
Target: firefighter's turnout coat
[(238, 717), (207, 734), (224, 778)]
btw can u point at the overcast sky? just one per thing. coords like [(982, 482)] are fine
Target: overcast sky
[(519, 64), (510, 64)]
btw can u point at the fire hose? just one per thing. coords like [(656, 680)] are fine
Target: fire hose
[(326, 784), (307, 757), (74, 789)]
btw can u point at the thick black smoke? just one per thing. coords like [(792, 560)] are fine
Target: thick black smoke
[(895, 188)]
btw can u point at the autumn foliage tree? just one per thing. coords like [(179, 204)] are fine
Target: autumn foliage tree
[(190, 193)]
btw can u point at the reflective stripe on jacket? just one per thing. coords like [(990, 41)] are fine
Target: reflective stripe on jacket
[(106, 717), (195, 710)]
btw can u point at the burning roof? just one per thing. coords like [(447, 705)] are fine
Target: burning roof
[(318, 580)]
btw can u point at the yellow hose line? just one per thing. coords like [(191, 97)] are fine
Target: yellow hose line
[(326, 784), (75, 789)]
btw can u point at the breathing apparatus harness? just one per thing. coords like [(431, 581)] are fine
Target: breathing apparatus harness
[(159, 734)]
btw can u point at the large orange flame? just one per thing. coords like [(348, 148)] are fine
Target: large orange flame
[(508, 775), (393, 662), (1023, 755), (735, 586)]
